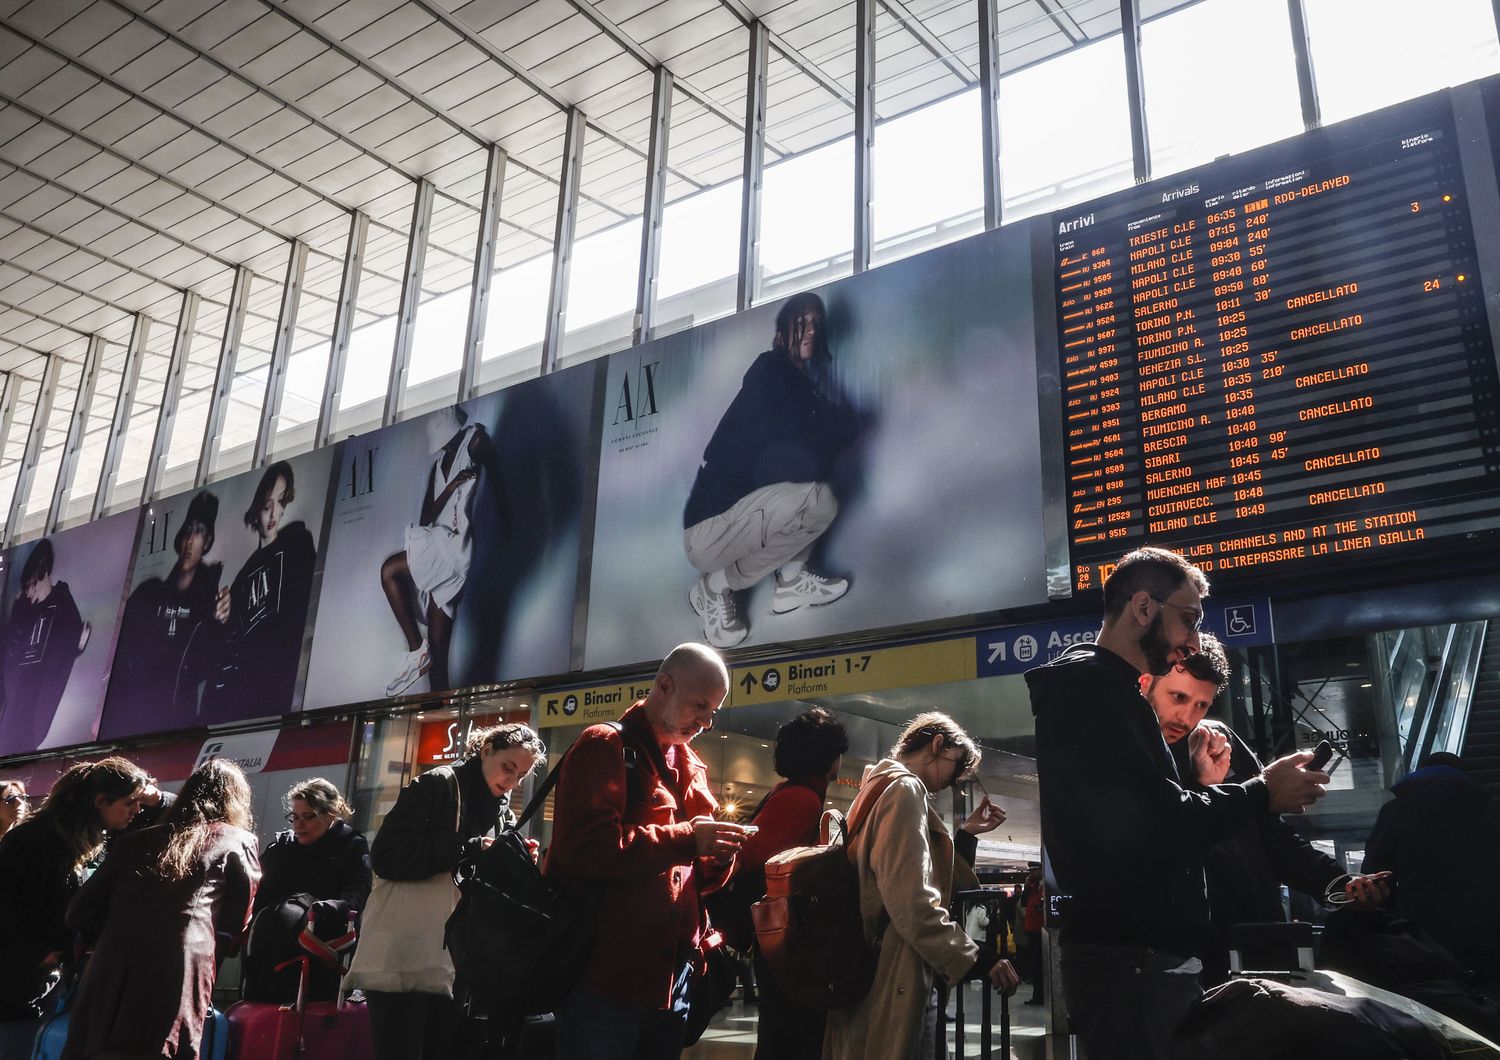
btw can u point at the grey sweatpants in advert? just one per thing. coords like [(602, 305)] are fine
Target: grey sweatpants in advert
[(776, 524)]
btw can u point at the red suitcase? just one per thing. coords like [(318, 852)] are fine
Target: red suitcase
[(323, 1030)]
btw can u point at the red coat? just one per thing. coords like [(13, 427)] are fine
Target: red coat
[(148, 987), (789, 818), (641, 860)]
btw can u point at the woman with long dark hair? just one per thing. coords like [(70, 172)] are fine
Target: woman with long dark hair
[(264, 609), (166, 906), (42, 864), (761, 498)]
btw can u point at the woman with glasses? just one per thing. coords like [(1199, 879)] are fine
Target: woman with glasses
[(317, 873), (14, 803), (905, 859), (43, 861)]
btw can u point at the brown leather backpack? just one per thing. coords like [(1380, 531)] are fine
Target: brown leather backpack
[(808, 925)]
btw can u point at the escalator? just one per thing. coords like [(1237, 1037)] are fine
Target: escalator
[(1481, 744)]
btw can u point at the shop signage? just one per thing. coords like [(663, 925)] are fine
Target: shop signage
[(441, 742), (248, 750)]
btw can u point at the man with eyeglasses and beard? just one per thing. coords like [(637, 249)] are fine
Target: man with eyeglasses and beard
[(1126, 836)]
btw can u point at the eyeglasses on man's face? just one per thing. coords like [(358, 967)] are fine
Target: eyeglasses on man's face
[(1191, 615), (12, 800)]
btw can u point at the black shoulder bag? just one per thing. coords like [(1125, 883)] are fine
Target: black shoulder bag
[(518, 941)]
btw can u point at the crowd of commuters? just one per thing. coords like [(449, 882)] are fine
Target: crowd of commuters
[(120, 901)]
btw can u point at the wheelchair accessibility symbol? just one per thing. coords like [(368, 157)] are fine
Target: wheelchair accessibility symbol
[(1239, 621)]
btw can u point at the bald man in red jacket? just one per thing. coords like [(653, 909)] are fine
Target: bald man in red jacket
[(634, 824)]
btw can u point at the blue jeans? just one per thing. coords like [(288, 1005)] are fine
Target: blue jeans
[(591, 1026)]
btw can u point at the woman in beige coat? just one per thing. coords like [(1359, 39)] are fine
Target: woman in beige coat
[(904, 856)]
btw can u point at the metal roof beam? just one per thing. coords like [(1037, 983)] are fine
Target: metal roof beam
[(484, 273), (530, 80), (171, 395), (119, 424), (411, 286), (41, 412), (281, 352), (653, 205), (562, 245), (606, 26), (224, 371), (343, 324), (78, 422), (364, 62), (202, 130), (792, 55), (925, 37)]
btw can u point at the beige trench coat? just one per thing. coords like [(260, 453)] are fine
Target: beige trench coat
[(904, 856)]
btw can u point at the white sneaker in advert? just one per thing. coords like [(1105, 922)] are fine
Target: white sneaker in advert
[(413, 665), (809, 589), (722, 626)]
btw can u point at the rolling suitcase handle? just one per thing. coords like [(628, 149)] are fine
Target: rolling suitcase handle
[(962, 901)]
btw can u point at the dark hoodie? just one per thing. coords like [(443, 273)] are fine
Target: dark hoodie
[(268, 614), (41, 645), (780, 427), (1125, 839), (1440, 837)]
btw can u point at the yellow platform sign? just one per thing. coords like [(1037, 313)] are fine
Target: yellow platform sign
[(803, 677), (840, 673), (586, 706)]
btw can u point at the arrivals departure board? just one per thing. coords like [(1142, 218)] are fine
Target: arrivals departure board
[(1281, 358)]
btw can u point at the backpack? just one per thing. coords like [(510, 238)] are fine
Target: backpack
[(809, 926), (518, 941), (729, 906)]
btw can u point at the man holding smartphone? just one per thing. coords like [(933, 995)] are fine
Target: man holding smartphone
[(1246, 870), (1126, 838), (633, 823)]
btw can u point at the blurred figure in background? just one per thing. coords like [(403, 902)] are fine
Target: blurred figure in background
[(42, 864), (317, 873)]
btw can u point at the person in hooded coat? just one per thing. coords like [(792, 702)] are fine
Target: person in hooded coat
[(1440, 838)]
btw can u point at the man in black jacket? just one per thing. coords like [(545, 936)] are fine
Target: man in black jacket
[(1126, 841), (1246, 870), (761, 498)]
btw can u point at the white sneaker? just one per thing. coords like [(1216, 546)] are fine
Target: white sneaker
[(722, 626), (413, 665), (811, 590)]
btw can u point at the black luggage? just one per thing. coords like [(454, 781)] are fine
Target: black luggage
[(963, 901)]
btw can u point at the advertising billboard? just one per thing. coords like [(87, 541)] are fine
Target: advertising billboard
[(220, 601), (453, 546), (61, 611), (856, 457)]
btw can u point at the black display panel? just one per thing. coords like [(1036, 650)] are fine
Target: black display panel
[(1281, 360)]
